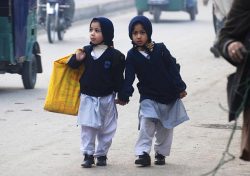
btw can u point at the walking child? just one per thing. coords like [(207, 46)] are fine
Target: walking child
[(101, 80), (161, 89)]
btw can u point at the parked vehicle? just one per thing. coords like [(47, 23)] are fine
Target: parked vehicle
[(155, 7), (56, 23), (19, 49)]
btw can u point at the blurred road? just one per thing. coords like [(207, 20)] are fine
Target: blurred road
[(86, 9), (40, 143), (86, 3)]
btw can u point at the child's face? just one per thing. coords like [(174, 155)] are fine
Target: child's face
[(139, 35), (95, 33)]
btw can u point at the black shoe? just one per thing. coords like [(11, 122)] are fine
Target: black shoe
[(159, 159), (101, 161), (143, 160), (215, 51), (88, 161)]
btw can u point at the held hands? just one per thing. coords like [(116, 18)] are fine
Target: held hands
[(183, 94), (237, 51), (80, 54), (205, 2), (117, 101)]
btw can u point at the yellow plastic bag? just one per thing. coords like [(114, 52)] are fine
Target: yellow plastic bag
[(63, 94)]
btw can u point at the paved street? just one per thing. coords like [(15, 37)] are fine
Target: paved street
[(86, 3), (40, 143)]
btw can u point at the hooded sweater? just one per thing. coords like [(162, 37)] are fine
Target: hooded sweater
[(104, 75), (158, 75), (101, 76)]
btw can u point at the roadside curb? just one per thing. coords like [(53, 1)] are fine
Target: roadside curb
[(101, 9)]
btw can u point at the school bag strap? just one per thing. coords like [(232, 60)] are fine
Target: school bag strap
[(164, 54)]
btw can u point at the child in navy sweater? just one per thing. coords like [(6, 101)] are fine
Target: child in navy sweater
[(101, 80), (161, 89)]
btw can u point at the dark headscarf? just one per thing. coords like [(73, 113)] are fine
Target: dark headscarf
[(145, 22), (107, 30)]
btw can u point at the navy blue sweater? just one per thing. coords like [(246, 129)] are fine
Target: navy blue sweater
[(159, 77), (103, 76)]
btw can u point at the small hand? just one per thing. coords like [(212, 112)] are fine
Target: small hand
[(205, 2), (237, 51), (183, 94), (80, 54), (117, 101)]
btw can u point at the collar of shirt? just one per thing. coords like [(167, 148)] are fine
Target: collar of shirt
[(146, 55), (98, 51)]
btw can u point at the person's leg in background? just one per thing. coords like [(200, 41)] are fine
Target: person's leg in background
[(41, 13), (245, 140)]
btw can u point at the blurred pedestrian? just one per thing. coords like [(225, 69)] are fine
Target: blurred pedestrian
[(161, 89), (101, 80), (234, 44), (220, 11)]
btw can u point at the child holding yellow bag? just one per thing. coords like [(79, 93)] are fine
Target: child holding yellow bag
[(101, 80)]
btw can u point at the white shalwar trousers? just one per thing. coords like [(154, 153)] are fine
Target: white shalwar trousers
[(104, 136), (150, 128), (98, 120), (157, 121)]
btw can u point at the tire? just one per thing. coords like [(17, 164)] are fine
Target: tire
[(60, 34), (29, 73), (51, 28), (156, 14), (61, 29), (139, 12), (192, 13), (193, 10)]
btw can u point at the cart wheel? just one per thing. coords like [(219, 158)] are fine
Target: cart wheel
[(29, 72), (51, 28), (139, 12), (157, 14), (192, 12)]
